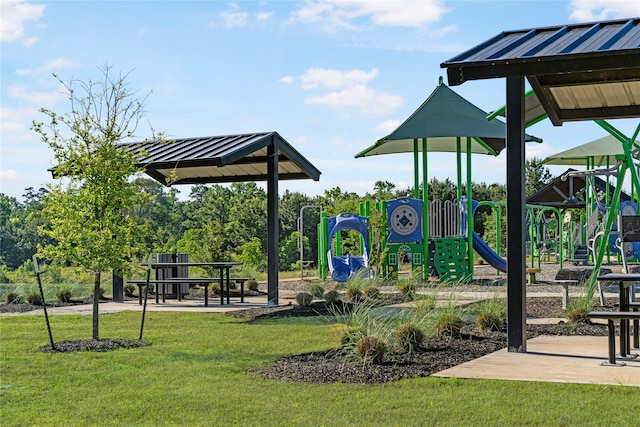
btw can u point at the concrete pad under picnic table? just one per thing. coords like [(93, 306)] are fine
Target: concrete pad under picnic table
[(566, 359)]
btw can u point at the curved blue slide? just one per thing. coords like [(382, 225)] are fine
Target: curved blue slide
[(488, 254), (480, 246)]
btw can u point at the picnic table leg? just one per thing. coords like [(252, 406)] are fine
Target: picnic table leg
[(221, 285), (624, 324), (206, 295), (242, 291), (228, 287)]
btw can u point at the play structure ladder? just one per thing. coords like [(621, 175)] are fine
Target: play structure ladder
[(449, 260)]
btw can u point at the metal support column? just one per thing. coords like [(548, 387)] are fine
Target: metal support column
[(516, 255), (272, 223)]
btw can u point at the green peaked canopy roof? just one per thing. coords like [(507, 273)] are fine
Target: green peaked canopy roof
[(602, 151), (442, 118)]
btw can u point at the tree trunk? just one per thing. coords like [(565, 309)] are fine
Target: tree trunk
[(96, 301)]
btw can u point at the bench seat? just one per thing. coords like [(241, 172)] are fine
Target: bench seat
[(610, 316), (202, 281)]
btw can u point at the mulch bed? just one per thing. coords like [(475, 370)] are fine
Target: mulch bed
[(339, 365)]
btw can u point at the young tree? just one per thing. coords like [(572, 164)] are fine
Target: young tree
[(89, 211)]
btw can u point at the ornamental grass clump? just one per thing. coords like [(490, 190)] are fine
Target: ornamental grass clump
[(449, 324), (332, 296), (64, 296), (12, 298), (371, 292), (304, 299), (491, 314), (354, 293), (317, 291), (409, 337), (578, 307), (407, 290), (129, 290), (34, 298), (251, 285), (371, 349)]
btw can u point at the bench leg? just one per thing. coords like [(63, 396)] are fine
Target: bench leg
[(140, 294), (612, 346), (242, 291), (565, 295), (206, 295), (532, 278)]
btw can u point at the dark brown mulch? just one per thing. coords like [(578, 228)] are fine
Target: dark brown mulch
[(435, 353), (105, 344)]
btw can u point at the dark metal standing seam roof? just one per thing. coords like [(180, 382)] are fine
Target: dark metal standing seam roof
[(579, 72), (218, 159)]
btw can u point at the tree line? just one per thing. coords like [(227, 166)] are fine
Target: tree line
[(229, 222)]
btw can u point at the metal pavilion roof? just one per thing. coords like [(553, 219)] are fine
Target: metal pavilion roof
[(218, 159), (605, 151), (442, 118), (579, 72)]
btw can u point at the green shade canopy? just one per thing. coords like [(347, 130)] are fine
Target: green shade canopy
[(601, 152), (442, 118)]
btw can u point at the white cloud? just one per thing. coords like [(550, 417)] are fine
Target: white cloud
[(263, 16), (235, 17), (334, 79), (369, 102), (354, 14), (8, 176), (598, 10), (287, 80), (43, 99), (388, 126), (13, 15), (52, 66)]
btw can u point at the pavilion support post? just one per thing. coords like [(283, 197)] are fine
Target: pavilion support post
[(516, 229), (272, 223)]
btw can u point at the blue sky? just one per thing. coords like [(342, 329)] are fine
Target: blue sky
[(331, 77)]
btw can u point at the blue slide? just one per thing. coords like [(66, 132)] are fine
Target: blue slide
[(488, 254), (480, 246), (344, 267)]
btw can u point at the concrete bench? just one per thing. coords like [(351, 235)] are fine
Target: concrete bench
[(610, 317)]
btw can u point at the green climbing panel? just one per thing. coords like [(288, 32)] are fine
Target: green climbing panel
[(450, 260)]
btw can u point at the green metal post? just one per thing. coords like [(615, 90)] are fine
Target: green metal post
[(425, 212)]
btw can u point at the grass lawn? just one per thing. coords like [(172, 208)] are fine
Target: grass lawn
[(200, 370)]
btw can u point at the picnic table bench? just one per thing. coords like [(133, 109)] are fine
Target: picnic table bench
[(628, 310), (201, 281)]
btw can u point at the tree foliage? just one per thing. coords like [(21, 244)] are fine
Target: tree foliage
[(89, 211)]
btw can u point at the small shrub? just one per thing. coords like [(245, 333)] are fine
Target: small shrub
[(488, 321), (578, 314), (332, 296), (34, 298), (449, 324), (129, 290), (409, 336), (354, 294), (12, 298), (304, 299), (371, 292), (251, 285), (64, 295), (316, 290), (351, 335), (371, 349)]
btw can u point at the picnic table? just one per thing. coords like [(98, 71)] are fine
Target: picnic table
[(624, 315), (161, 278)]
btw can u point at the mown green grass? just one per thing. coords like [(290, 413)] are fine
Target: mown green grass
[(200, 369)]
